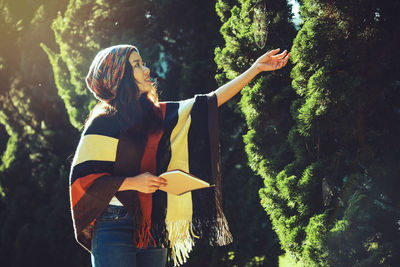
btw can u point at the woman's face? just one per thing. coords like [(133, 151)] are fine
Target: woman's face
[(141, 73)]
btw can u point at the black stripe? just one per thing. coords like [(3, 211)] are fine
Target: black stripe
[(213, 133), (163, 158), (104, 125), (89, 167), (164, 147), (200, 161), (92, 204), (130, 149), (218, 233)]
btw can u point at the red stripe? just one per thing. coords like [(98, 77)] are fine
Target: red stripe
[(149, 164), (163, 107), (81, 185)]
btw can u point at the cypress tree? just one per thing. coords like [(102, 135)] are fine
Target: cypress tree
[(33, 163), (330, 182), (3, 139), (85, 28), (251, 28), (346, 72)]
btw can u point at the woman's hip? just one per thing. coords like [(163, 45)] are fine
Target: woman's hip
[(113, 242)]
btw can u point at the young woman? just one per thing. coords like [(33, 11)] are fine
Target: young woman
[(130, 138)]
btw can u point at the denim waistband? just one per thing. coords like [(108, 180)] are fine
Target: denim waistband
[(117, 210)]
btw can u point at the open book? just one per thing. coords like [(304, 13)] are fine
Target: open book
[(180, 182)]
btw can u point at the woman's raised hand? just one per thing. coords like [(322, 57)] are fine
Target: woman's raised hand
[(271, 60), (145, 183), (267, 62)]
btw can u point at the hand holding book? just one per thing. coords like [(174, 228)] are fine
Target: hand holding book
[(180, 182), (145, 183)]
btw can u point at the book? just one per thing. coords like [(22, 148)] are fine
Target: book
[(180, 182)]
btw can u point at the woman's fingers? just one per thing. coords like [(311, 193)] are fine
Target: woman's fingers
[(268, 55), (281, 55), (156, 183), (283, 58), (272, 56), (272, 52), (159, 181), (286, 59), (148, 183), (277, 62)]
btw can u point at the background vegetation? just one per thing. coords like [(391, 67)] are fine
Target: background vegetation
[(309, 153)]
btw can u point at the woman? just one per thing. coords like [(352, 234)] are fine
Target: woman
[(130, 138)]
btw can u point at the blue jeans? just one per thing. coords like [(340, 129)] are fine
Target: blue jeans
[(113, 246)]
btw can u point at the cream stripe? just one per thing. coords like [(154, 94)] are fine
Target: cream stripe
[(179, 208), (96, 147)]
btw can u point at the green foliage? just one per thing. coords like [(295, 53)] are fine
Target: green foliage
[(341, 89), (264, 102), (85, 28), (33, 167), (326, 149), (176, 50), (324, 154), (9, 153), (314, 248)]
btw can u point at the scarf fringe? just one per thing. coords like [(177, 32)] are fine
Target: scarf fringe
[(223, 235), (216, 230), (144, 236), (159, 233), (180, 235)]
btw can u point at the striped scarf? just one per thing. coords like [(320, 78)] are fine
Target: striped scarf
[(188, 141)]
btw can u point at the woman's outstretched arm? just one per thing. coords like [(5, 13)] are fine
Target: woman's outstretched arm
[(268, 62)]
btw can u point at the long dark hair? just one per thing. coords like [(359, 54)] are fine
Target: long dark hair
[(141, 112)]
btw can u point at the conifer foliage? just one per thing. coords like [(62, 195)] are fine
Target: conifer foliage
[(87, 27), (322, 133), (33, 200), (250, 29), (328, 155), (347, 73)]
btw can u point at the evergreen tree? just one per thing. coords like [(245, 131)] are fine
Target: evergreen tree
[(87, 27), (3, 140), (347, 72), (188, 34), (250, 28), (176, 37), (330, 172), (33, 165)]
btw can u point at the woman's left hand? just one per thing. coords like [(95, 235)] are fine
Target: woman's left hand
[(271, 60), (267, 62)]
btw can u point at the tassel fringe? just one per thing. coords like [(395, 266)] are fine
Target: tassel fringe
[(180, 235), (223, 235), (144, 237)]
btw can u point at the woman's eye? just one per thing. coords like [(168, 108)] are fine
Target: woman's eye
[(140, 64)]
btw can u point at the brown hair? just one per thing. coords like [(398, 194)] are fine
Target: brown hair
[(141, 111)]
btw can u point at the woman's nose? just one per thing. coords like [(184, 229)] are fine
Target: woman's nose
[(146, 70)]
